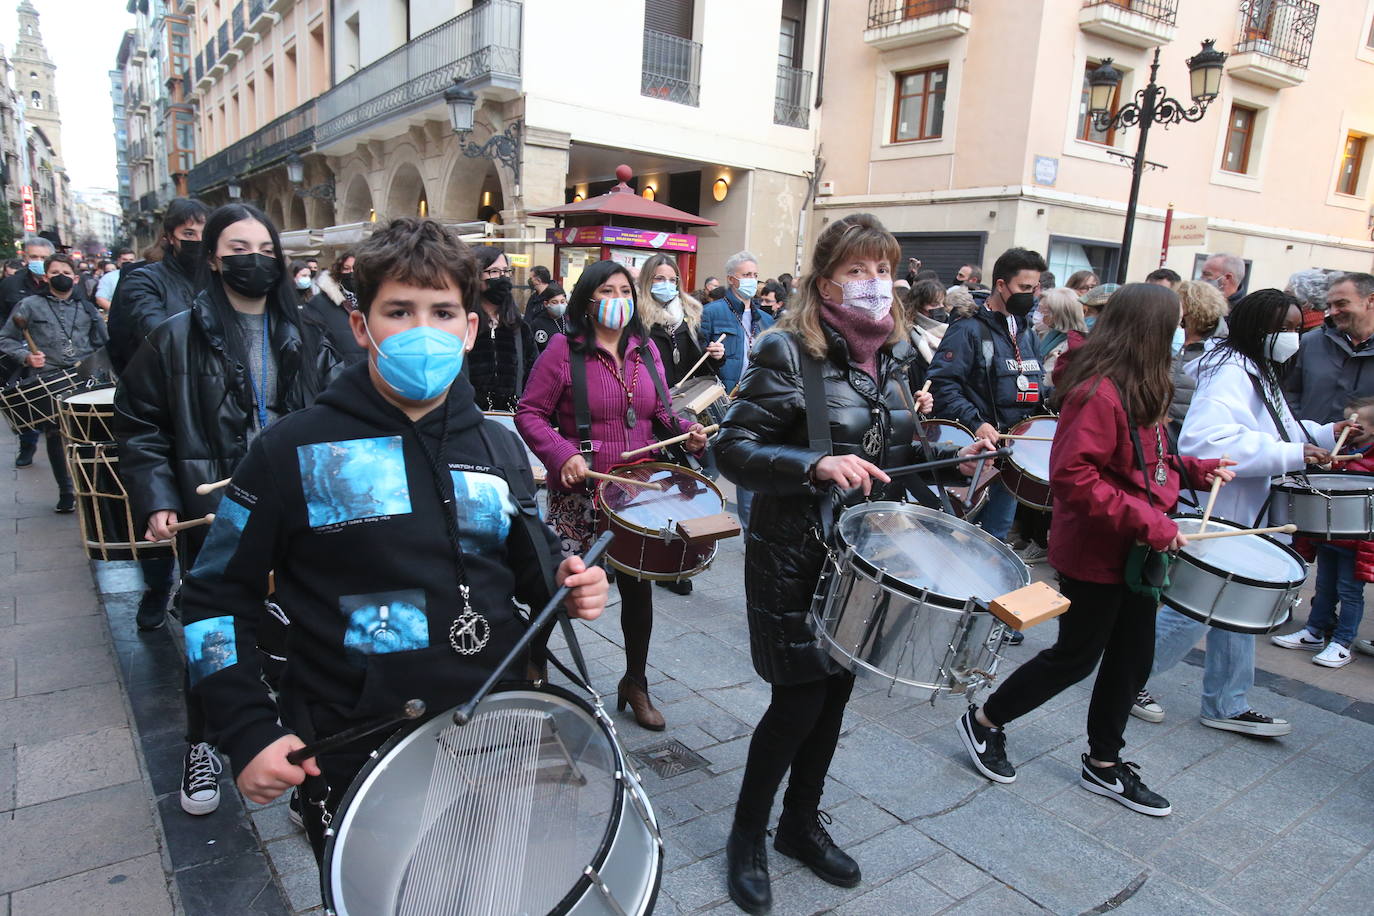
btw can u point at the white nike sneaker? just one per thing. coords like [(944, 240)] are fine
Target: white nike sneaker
[(1334, 655), (1302, 639)]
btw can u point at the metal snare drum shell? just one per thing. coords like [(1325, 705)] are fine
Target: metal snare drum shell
[(1211, 587), (1326, 506), (1027, 474)]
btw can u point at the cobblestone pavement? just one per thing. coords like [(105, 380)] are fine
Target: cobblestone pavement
[(1259, 826)]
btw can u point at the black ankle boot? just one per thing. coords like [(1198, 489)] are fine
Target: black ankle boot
[(804, 837), (746, 862)]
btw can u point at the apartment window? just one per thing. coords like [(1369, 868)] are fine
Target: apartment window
[(1369, 39), (1240, 131), (1086, 130), (918, 110), (790, 38), (1349, 179)]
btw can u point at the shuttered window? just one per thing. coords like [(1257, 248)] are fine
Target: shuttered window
[(672, 17)]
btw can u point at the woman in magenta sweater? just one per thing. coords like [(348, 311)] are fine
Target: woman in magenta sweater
[(622, 364), (1114, 482)]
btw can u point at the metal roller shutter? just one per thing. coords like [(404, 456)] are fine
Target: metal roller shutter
[(942, 252), (672, 17)]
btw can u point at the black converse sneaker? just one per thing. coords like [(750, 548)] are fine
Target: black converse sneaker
[(987, 748), (200, 779), (1121, 783)]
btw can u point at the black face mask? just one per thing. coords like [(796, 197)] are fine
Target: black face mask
[(250, 275), (941, 315), (346, 281), (1019, 305), (497, 290), (187, 253), (61, 283)]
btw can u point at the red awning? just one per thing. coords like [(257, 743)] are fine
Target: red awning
[(621, 200)]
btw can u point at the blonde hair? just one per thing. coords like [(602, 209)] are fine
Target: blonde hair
[(651, 312), (1203, 307), (858, 235), (1062, 310)]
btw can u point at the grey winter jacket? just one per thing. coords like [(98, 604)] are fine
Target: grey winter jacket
[(1327, 373), (50, 323), (1184, 383)]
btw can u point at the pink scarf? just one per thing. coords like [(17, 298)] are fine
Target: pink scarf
[(864, 334)]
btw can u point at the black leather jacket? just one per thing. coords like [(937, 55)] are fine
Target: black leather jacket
[(143, 299), (184, 409), (764, 447)]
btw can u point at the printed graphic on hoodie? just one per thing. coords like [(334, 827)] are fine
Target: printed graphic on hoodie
[(222, 540), (353, 479), (484, 508), (385, 622), (210, 647)]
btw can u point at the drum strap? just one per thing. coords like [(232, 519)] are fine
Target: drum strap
[(520, 360), (1283, 434), (988, 354), (582, 412), (818, 434), (678, 453)]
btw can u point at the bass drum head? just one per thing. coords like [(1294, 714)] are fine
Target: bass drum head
[(685, 495), (916, 550), (1253, 558), (512, 808)]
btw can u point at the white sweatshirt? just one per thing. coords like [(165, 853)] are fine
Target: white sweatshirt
[(1228, 418)]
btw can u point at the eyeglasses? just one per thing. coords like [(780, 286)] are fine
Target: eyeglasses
[(498, 272)]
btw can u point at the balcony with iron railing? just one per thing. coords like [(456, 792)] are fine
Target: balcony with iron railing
[(1138, 23), (238, 21), (293, 132), (671, 68), (148, 202), (480, 48), (792, 105), (1274, 46), (257, 22), (901, 23)]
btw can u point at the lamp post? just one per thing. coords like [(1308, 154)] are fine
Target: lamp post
[(503, 147), (1152, 105)]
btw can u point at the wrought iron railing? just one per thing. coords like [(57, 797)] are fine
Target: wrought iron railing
[(671, 69), (238, 21), (148, 202), (210, 57), (1281, 29), (200, 66), (1165, 11), (891, 12), (223, 46), (484, 40), (792, 106), (255, 8), (291, 133)]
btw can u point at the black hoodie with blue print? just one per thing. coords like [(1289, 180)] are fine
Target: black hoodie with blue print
[(345, 502)]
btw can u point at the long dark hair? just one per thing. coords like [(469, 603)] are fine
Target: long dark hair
[(581, 328), (507, 314), (1131, 345), (1249, 325), (282, 299)]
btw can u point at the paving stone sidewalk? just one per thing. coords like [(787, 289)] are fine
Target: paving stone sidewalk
[(77, 826)]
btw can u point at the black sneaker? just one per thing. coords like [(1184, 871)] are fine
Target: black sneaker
[(803, 837), (66, 504), (200, 779), (987, 748), (1016, 638), (681, 587), (152, 611), (25, 457), (1120, 783)]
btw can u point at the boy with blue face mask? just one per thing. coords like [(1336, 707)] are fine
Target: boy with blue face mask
[(398, 522)]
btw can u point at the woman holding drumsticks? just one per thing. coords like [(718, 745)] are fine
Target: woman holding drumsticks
[(623, 378), (844, 337), (1114, 483)]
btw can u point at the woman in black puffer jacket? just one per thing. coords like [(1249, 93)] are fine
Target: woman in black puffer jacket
[(843, 318)]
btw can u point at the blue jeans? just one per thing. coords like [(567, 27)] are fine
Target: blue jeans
[(1227, 674), (1336, 581), (998, 513)]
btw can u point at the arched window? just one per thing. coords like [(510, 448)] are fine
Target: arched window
[(36, 100)]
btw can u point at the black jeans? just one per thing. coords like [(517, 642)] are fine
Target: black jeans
[(57, 458), (1106, 622), (799, 730)]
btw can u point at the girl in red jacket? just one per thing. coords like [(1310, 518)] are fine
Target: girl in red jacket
[(1105, 502), (1343, 567)]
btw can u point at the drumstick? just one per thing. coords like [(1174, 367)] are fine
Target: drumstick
[(646, 484), (925, 387), (695, 367), (205, 488), (192, 523), (22, 324), (667, 442), (1026, 438), (1211, 501), (1277, 529), (1354, 418), (413, 709)]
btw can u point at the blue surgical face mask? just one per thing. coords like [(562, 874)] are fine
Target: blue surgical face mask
[(1177, 346), (419, 363), (303, 282), (1089, 321), (748, 286), (664, 291), (556, 309), (614, 313), (36, 267)]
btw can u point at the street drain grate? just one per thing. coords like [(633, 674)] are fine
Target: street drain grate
[(670, 758)]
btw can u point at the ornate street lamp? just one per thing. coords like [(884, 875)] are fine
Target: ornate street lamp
[(1152, 105), (234, 188), (503, 147), (295, 169)]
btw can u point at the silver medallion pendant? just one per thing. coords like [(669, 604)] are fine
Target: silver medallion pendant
[(1161, 474), (873, 440), (470, 631), (69, 349), (1022, 383), (631, 418)]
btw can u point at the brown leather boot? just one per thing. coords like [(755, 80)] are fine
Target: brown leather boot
[(634, 691)]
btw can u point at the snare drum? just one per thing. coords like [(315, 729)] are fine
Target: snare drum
[(1026, 471), (1247, 584), (85, 416), (532, 807), (948, 433), (108, 531), (32, 402), (507, 420), (703, 398), (663, 535), (1326, 506), (903, 600)]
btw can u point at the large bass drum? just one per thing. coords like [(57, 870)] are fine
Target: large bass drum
[(1249, 583), (903, 601), (531, 807)]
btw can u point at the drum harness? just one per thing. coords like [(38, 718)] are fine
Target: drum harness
[(1281, 427)]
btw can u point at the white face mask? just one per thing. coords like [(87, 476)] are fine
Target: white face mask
[(873, 295), (1282, 346)]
